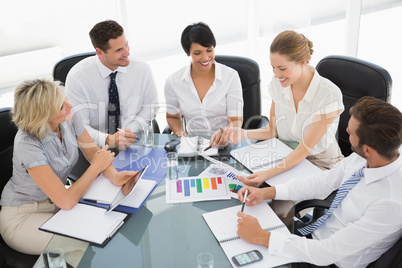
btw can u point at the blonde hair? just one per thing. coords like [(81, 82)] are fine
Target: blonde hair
[(36, 103), (294, 45)]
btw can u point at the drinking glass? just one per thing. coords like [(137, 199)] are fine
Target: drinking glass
[(55, 258), (172, 166), (205, 260)]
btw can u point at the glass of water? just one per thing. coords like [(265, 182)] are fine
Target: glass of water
[(148, 134), (172, 166), (55, 258), (205, 260)]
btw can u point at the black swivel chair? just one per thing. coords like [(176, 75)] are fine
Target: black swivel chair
[(356, 78), (8, 256), (249, 73), (60, 71)]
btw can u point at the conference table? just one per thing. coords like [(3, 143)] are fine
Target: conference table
[(161, 234)]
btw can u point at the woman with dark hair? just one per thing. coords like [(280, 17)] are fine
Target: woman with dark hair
[(206, 93)]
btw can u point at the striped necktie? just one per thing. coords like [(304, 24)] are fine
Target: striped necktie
[(114, 105), (341, 193)]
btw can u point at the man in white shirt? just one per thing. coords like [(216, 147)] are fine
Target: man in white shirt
[(368, 220), (88, 86)]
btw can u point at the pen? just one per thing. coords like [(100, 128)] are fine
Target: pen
[(209, 147), (119, 129), (244, 200)]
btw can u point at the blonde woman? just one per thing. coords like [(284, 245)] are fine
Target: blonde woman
[(45, 151), (304, 112)]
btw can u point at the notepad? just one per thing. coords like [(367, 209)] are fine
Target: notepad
[(87, 223), (103, 191), (223, 224), (189, 146)]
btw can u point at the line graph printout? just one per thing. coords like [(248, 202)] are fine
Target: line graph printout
[(195, 189)]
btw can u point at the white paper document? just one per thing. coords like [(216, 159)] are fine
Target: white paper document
[(104, 191), (189, 146), (266, 154)]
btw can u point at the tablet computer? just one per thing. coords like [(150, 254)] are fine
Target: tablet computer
[(126, 190)]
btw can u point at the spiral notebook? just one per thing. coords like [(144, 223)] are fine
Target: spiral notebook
[(223, 224)]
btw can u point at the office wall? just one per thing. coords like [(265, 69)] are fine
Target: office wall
[(35, 34)]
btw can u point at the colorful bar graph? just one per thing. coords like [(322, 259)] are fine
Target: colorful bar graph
[(192, 189)]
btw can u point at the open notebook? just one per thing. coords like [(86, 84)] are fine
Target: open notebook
[(223, 224)]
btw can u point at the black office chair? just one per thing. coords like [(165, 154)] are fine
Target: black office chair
[(8, 256), (60, 71), (249, 73), (356, 78), (392, 258)]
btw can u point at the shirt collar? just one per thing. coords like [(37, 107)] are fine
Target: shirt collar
[(375, 174), (312, 88), (50, 135), (187, 72), (104, 71)]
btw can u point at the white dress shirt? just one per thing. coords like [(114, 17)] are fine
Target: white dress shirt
[(322, 97), (87, 86), (367, 222), (224, 99)]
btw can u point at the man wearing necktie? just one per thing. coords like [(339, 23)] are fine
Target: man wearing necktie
[(112, 90), (365, 217)]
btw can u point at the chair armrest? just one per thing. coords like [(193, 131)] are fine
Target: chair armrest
[(313, 203)]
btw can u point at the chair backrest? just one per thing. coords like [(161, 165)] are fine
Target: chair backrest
[(63, 66), (356, 78), (7, 134), (392, 258), (249, 73)]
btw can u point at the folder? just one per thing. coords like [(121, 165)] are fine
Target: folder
[(86, 223)]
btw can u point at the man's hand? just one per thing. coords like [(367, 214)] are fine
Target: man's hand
[(250, 230), (121, 139)]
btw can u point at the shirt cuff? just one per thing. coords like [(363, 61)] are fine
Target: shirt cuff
[(276, 243), (282, 192), (102, 139)]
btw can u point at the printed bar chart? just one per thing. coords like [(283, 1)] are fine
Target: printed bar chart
[(193, 189)]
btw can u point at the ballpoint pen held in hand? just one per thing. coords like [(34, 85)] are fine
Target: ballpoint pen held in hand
[(244, 201)]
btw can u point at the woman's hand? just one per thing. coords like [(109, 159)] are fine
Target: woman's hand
[(220, 138), (125, 177), (256, 178), (234, 134), (180, 133), (102, 159)]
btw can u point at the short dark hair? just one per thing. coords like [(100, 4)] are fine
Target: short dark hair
[(199, 33), (103, 31), (380, 125)]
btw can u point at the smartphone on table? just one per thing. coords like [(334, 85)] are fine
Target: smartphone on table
[(247, 258)]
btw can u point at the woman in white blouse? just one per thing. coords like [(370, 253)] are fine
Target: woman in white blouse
[(304, 112), (206, 93)]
